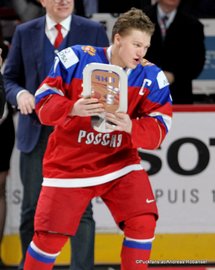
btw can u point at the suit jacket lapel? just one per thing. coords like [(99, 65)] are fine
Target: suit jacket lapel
[(73, 33), (70, 38), (38, 36)]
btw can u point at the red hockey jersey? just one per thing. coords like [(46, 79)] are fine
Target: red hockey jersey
[(76, 154)]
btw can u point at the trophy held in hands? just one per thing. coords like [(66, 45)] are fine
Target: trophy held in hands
[(109, 84)]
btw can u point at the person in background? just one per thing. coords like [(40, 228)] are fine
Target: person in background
[(7, 139), (199, 8), (32, 52), (114, 172), (28, 9), (2, 93), (177, 46)]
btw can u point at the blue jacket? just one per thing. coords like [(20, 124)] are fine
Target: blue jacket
[(25, 66)]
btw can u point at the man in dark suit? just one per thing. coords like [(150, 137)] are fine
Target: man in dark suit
[(30, 57), (2, 94), (177, 46)]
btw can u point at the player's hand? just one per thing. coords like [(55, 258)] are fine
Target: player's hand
[(120, 122), (170, 77), (87, 107), (26, 102)]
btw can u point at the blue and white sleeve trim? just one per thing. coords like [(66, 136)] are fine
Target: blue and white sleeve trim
[(46, 90)]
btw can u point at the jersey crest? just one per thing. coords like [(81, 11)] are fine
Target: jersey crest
[(89, 49)]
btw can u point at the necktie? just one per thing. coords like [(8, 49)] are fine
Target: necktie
[(59, 37), (164, 20)]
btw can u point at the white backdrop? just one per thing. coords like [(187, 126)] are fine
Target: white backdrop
[(182, 176)]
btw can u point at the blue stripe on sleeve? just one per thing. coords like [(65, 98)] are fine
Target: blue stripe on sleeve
[(44, 94), (160, 119)]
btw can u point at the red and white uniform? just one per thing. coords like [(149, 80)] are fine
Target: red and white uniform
[(81, 163), (79, 156)]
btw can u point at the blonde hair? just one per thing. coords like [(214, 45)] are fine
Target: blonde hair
[(132, 19)]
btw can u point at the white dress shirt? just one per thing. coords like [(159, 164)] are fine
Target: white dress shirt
[(51, 31)]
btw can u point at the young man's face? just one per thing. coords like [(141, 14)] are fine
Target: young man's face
[(132, 48), (58, 10)]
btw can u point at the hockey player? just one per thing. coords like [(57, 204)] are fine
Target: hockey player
[(81, 163)]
